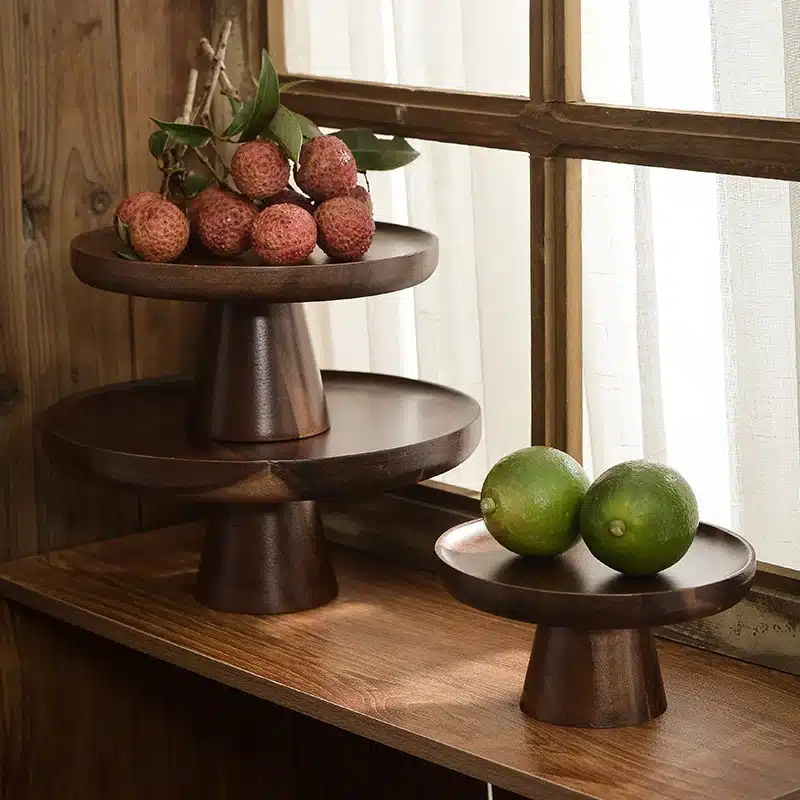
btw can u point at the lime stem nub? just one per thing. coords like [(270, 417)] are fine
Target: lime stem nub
[(488, 506), (616, 528)]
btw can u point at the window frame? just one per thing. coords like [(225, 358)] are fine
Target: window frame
[(558, 129)]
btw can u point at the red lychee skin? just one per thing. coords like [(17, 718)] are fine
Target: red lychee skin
[(202, 201), (133, 203), (345, 228), (327, 168), (259, 169), (224, 225), (293, 197), (159, 232), (284, 234), (361, 194)]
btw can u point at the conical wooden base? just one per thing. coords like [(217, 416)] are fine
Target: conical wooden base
[(593, 679), (258, 380), (261, 559)]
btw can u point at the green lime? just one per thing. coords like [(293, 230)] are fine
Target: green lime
[(531, 501), (639, 517)]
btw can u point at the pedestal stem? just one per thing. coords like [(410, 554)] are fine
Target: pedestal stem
[(260, 559), (593, 679), (258, 380)]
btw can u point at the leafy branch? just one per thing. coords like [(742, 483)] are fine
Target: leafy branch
[(262, 116)]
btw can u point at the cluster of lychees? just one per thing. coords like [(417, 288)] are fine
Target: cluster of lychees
[(280, 224)]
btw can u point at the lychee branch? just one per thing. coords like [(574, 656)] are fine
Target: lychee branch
[(226, 87), (212, 81), (202, 158), (220, 158), (188, 102)]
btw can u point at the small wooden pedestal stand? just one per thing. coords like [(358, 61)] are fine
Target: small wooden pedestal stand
[(594, 662), (259, 432)]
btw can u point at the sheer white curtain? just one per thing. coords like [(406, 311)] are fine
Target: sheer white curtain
[(691, 280), (468, 326)]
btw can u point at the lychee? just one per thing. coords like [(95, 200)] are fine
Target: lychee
[(260, 169), (284, 234), (201, 201), (291, 196), (159, 232), (133, 203), (224, 225), (327, 168), (360, 193), (345, 227)]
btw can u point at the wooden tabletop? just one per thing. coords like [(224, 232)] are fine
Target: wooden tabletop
[(395, 659)]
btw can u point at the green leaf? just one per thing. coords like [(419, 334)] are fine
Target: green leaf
[(157, 143), (128, 255), (291, 84), (265, 103), (121, 229), (191, 135), (239, 120), (285, 131), (372, 153), (193, 184), (309, 128), (235, 103)]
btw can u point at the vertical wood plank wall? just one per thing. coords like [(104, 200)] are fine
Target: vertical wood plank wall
[(78, 84)]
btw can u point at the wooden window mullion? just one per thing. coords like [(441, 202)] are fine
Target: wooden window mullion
[(556, 364)]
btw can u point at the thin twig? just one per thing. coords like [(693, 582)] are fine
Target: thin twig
[(209, 166), (220, 159), (188, 102), (213, 76), (186, 116), (225, 85)]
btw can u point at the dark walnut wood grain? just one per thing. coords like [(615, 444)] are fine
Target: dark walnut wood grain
[(258, 387), (593, 679), (385, 432), (594, 661), (257, 378), (366, 663), (112, 724), (265, 559), (399, 257)]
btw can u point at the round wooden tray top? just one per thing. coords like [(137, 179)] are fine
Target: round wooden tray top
[(398, 258), (577, 590), (385, 432)]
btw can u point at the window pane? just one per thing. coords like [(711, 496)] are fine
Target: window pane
[(468, 326), (729, 56), (691, 285), (447, 44)]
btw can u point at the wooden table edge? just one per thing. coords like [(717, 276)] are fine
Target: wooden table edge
[(411, 742)]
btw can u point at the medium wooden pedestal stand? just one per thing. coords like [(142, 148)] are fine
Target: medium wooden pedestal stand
[(260, 432), (594, 662)]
